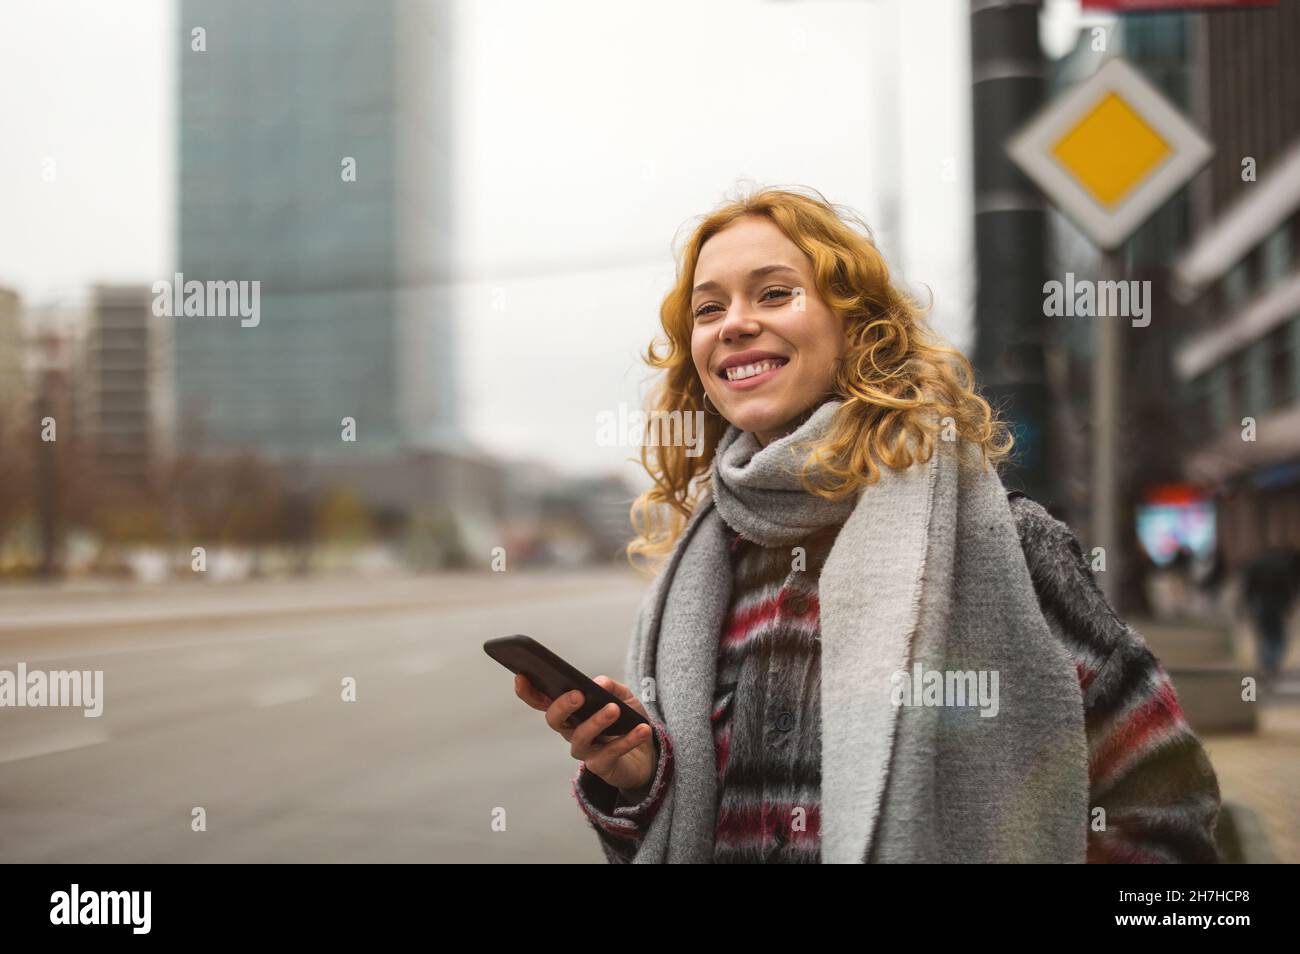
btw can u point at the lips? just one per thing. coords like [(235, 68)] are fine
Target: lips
[(757, 373), (749, 365), (742, 372), (743, 358)]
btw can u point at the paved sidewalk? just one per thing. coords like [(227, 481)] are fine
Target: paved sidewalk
[(1259, 770), (1262, 771)]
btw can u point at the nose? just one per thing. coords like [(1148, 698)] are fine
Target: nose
[(739, 322)]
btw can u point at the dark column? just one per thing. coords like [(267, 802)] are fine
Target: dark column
[(1007, 78)]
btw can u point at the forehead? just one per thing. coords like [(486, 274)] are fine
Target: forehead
[(744, 245)]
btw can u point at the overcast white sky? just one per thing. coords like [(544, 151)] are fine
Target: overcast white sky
[(588, 134)]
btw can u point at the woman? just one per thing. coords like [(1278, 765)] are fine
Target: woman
[(857, 647)]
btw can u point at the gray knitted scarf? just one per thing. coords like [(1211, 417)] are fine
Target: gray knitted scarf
[(757, 489), (926, 571)]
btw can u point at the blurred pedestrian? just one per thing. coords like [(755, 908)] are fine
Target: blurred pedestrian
[(1268, 590), (1180, 580)]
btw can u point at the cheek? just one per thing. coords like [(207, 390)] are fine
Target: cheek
[(700, 357), (832, 342), (821, 349), (822, 361)]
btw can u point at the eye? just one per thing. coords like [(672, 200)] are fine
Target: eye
[(763, 296)]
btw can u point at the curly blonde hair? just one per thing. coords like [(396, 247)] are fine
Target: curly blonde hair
[(899, 381)]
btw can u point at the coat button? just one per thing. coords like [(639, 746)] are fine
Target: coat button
[(785, 721), (798, 605)]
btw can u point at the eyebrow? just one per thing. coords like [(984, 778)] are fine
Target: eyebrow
[(756, 273)]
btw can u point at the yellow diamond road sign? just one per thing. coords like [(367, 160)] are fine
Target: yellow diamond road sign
[(1109, 152), (1088, 151)]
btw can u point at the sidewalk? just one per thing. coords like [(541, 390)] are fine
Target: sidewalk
[(1262, 771), (1258, 769), (108, 604)]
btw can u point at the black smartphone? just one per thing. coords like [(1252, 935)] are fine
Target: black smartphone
[(553, 676)]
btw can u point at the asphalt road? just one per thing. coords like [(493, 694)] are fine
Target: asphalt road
[(229, 698)]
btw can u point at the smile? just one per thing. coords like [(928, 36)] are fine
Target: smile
[(746, 376)]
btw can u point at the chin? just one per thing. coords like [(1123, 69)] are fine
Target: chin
[(758, 416)]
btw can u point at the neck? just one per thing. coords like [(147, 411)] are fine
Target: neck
[(787, 428)]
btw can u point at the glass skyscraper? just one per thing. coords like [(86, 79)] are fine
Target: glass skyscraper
[(279, 102)]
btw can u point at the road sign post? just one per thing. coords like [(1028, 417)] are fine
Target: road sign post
[(1109, 152)]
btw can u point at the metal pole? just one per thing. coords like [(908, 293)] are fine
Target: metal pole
[(1106, 371)]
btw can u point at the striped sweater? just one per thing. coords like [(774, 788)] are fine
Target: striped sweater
[(1148, 773)]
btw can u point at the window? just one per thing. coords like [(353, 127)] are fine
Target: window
[(1276, 254), (1235, 287), (1281, 364), (1238, 389), (1196, 399), (1258, 392), (1219, 397)]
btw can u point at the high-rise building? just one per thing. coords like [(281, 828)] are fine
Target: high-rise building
[(314, 160), (1240, 360), (124, 398)]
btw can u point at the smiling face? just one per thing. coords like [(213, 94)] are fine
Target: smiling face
[(766, 354)]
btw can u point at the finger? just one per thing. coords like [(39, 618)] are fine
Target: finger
[(622, 693), (604, 757), (615, 688), (584, 736), (533, 697), (559, 711)]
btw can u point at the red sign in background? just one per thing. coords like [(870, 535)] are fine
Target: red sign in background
[(1135, 6)]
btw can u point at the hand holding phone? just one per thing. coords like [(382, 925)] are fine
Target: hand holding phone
[(604, 723)]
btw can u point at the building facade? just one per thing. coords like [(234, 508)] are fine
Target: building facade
[(1239, 362), (124, 387), (314, 160)]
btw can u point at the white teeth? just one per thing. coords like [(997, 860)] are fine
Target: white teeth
[(740, 372)]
